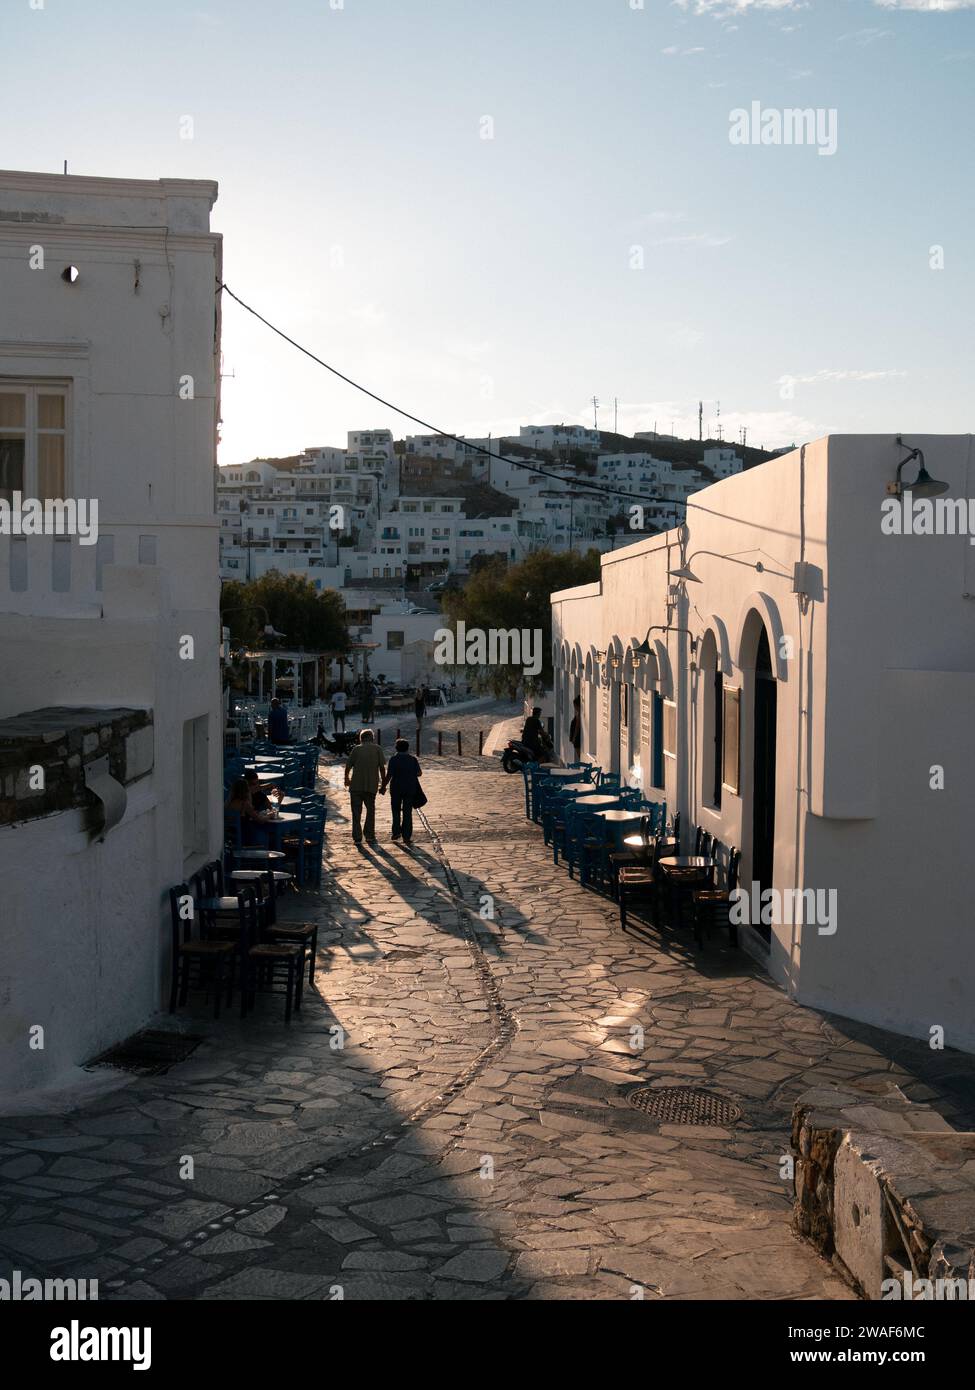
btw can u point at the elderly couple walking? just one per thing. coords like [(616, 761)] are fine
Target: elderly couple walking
[(367, 774)]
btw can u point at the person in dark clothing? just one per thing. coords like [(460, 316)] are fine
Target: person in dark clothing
[(420, 704), (260, 800), (277, 723), (533, 734), (575, 729), (403, 780)]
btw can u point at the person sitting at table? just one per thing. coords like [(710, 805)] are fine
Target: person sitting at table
[(260, 800), (239, 803)]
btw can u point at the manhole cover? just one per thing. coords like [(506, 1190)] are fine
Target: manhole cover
[(150, 1053), (684, 1105)]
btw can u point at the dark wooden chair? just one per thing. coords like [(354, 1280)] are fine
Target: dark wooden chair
[(712, 907), (266, 966), (213, 960)]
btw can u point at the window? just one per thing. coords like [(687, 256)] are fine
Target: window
[(33, 440), (732, 711), (394, 641), (196, 780), (657, 769)]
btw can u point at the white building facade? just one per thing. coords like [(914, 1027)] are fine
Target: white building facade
[(110, 725), (800, 684)]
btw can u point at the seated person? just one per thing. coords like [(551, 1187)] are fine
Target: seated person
[(533, 734), (260, 800), (239, 803)]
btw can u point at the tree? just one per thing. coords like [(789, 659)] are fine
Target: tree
[(307, 619), (518, 597)]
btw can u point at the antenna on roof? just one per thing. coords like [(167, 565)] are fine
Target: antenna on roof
[(700, 421), (65, 166)]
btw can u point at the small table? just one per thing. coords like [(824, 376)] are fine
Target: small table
[(268, 779), (621, 816), (685, 861), (224, 904), (557, 772), (281, 824), (638, 842), (267, 758), (254, 875), (268, 855)]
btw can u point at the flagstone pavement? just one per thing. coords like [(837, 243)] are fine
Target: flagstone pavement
[(447, 1119)]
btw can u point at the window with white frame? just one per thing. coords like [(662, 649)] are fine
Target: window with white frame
[(33, 439)]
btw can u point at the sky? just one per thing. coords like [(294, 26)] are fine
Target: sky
[(490, 211)]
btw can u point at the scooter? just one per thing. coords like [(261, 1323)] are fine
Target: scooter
[(516, 754)]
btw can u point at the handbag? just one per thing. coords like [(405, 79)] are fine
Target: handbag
[(419, 797)]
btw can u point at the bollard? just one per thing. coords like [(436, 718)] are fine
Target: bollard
[(460, 751), (439, 742), (398, 734), (417, 740), (480, 742)]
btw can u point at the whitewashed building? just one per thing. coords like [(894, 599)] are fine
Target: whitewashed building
[(110, 729), (801, 684)]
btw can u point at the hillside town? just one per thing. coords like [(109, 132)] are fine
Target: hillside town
[(389, 524)]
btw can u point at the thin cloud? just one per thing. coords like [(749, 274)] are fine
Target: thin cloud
[(932, 6), (692, 239), (827, 374), (724, 8)]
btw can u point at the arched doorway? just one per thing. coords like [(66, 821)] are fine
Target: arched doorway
[(763, 775)]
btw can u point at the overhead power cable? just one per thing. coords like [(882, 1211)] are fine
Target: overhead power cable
[(445, 434)]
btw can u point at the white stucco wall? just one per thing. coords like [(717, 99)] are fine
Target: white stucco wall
[(874, 676), (86, 933)]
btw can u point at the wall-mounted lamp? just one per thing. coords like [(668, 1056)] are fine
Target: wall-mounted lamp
[(645, 649), (923, 486), (687, 574)]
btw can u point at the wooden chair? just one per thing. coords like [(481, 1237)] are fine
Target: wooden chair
[(712, 907), (214, 960), (265, 965)]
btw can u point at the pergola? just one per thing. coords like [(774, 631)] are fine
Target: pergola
[(262, 677)]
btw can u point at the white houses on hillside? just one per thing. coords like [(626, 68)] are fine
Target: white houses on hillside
[(110, 732), (799, 682)]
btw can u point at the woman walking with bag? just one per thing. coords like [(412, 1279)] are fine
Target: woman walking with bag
[(403, 774)]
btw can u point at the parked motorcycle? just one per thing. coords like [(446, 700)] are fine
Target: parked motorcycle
[(516, 754)]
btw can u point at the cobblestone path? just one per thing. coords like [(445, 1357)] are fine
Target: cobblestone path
[(448, 1118)]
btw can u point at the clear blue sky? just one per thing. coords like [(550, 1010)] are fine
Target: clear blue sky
[(487, 283)]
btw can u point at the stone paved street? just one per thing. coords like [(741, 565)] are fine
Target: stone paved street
[(448, 1118)]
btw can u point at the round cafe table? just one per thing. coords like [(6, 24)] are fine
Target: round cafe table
[(685, 861), (260, 875), (267, 758), (280, 824), (560, 772), (621, 816), (638, 842), (598, 802), (267, 779), (265, 856)]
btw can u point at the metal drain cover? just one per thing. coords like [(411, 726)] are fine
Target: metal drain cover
[(684, 1105), (149, 1053)]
